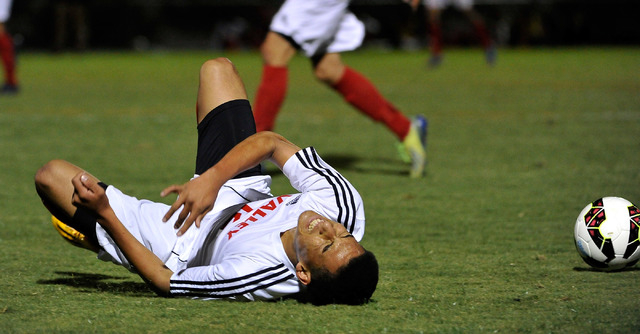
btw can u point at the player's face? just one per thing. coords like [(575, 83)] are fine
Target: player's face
[(321, 242)]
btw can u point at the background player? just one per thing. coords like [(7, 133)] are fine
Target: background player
[(323, 29), (248, 245), (7, 52), (434, 10)]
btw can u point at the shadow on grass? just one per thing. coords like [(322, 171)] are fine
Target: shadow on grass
[(100, 283), (369, 165), (596, 270)]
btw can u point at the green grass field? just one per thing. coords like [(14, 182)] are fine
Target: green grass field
[(484, 243)]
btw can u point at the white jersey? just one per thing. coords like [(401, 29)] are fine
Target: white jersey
[(246, 260), (5, 10), (319, 26), (442, 4)]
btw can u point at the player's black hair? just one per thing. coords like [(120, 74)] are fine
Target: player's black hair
[(352, 284)]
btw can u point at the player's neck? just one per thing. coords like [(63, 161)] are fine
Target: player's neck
[(287, 243)]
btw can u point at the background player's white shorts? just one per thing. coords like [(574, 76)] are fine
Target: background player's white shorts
[(143, 219), (441, 4), (319, 26), (5, 10)]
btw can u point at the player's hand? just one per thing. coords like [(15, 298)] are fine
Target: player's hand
[(196, 198), (88, 193)]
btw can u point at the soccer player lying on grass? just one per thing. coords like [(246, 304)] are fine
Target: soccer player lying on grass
[(247, 244)]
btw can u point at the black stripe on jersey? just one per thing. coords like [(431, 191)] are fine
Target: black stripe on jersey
[(345, 200), (232, 287), (231, 280)]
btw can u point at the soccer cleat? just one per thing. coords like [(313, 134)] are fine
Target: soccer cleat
[(415, 146), (9, 89), (71, 235), (491, 55), (434, 61), (402, 152)]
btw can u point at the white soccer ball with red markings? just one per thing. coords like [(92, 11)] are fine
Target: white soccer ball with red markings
[(606, 234)]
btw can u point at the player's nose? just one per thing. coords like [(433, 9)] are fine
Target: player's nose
[(326, 229)]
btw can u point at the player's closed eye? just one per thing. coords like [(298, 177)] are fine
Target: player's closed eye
[(327, 247)]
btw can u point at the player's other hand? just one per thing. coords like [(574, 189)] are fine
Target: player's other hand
[(196, 198), (88, 193)]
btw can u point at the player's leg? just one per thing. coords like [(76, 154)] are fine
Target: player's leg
[(478, 24), (53, 184), (481, 31), (480, 28), (219, 83), (358, 91), (223, 113), (276, 53), (434, 27), (7, 55)]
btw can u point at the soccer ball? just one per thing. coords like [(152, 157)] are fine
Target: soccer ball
[(606, 234)]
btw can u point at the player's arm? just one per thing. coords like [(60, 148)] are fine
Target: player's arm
[(92, 196), (198, 195)]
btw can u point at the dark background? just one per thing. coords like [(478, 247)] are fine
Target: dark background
[(241, 24)]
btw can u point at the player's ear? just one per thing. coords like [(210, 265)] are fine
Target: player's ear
[(303, 274)]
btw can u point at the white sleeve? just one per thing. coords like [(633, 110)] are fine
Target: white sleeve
[(330, 193), (222, 281)]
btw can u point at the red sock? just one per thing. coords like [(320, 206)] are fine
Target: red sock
[(436, 38), (8, 58), (269, 97), (483, 35), (360, 93)]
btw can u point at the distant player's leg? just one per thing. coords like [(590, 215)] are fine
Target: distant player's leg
[(7, 55), (358, 91), (434, 27), (53, 184), (466, 6), (480, 27), (276, 53), (483, 35)]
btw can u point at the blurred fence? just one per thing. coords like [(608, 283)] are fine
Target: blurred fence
[(241, 24)]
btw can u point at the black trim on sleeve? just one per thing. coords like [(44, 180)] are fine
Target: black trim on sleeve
[(231, 287), (345, 200)]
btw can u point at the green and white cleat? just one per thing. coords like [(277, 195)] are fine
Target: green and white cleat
[(414, 146)]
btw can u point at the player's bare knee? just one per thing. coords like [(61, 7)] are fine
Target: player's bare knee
[(276, 50), (45, 175), (216, 68), (53, 172), (329, 68), (324, 74)]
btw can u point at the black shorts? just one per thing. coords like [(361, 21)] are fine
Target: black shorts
[(219, 131)]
